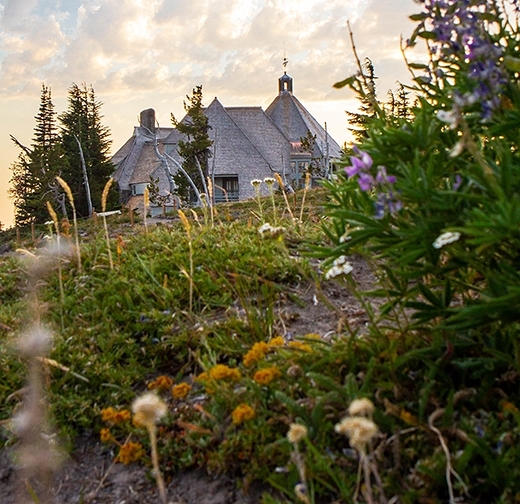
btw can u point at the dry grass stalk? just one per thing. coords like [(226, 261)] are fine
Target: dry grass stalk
[(104, 197), (146, 202), (307, 185), (70, 197), (282, 186), (187, 227)]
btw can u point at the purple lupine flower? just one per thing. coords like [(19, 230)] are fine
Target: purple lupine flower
[(366, 182), (386, 200), (457, 183), (460, 34)]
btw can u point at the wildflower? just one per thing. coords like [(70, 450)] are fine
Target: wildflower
[(300, 490), (269, 181), (256, 353), (121, 416), (148, 410), (130, 452), (256, 183), (340, 266), (266, 375), (296, 433), (107, 414), (300, 346), (223, 372), (267, 230), (361, 407), (360, 431), (452, 117), (161, 383), (242, 413), (181, 390), (105, 435), (445, 238), (277, 341)]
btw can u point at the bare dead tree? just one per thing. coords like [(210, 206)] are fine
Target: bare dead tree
[(85, 178)]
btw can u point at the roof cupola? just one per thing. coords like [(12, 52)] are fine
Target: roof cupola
[(285, 82)]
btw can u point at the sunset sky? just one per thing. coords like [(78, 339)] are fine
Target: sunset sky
[(150, 53)]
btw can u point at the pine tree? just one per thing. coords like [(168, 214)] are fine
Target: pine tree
[(360, 120), (83, 133), (33, 182), (195, 150)]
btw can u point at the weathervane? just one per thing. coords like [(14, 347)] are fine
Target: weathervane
[(285, 60)]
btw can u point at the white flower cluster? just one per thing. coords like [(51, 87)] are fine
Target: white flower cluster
[(445, 238), (358, 427), (267, 230), (340, 266)]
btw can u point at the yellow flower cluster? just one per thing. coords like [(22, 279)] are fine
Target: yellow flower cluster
[(256, 353), (242, 413), (266, 375), (181, 390), (223, 372), (130, 452), (304, 347), (105, 435), (160, 383), (115, 416), (277, 341)]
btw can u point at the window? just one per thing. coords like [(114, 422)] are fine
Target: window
[(226, 188)]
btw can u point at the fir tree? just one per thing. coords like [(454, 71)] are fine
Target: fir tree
[(195, 150), (33, 182), (360, 120), (83, 135)]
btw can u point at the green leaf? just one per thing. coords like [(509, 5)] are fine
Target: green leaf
[(347, 82)]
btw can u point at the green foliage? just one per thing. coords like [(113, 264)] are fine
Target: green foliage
[(33, 180), (195, 150), (82, 122)]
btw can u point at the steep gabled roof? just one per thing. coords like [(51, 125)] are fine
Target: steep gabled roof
[(262, 133), (232, 146), (294, 121)]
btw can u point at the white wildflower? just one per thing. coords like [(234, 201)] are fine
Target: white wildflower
[(445, 238), (359, 430), (361, 407), (267, 230), (452, 117), (256, 183), (269, 181), (340, 266)]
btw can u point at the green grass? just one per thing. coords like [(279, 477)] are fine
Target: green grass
[(117, 329)]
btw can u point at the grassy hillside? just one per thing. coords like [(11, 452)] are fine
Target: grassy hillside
[(197, 311)]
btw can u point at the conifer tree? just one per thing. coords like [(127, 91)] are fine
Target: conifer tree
[(195, 150), (360, 120), (33, 182), (81, 127)]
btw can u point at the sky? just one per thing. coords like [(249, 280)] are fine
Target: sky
[(139, 54)]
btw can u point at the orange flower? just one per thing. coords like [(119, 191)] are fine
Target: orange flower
[(161, 382), (300, 346), (257, 352), (278, 341), (242, 413), (223, 372), (105, 435), (107, 414), (130, 452), (181, 390), (266, 375), (121, 416)]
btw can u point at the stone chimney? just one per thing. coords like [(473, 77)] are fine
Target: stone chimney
[(147, 119)]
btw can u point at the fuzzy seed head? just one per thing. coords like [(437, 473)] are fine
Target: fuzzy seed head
[(361, 407), (148, 409), (296, 433)]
